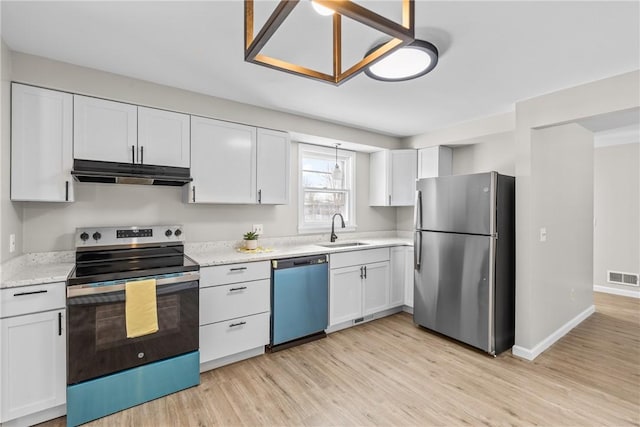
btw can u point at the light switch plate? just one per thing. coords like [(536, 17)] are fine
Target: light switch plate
[(12, 243), (543, 234)]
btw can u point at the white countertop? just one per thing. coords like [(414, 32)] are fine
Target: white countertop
[(230, 255), (51, 267)]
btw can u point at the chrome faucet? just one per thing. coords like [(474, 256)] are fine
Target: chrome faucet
[(333, 233)]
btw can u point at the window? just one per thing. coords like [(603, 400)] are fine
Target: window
[(320, 195)]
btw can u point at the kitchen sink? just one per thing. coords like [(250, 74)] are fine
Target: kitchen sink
[(343, 245)]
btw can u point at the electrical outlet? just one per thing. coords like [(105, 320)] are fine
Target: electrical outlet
[(572, 294), (258, 229), (543, 234), (12, 243)]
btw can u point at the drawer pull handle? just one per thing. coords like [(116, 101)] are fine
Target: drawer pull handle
[(59, 324), (233, 325), (238, 269), (238, 289), (20, 294)]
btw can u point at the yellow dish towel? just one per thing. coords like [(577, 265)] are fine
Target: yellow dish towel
[(141, 310)]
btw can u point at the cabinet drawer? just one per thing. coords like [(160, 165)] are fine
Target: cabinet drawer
[(233, 336), (224, 302), (234, 273), (32, 299), (360, 257)]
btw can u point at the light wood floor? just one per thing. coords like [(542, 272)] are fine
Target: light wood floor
[(389, 372)]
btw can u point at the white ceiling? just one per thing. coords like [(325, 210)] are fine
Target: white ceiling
[(493, 54)]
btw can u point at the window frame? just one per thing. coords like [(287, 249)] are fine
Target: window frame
[(349, 157)]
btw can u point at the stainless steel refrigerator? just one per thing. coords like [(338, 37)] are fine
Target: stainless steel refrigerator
[(464, 256)]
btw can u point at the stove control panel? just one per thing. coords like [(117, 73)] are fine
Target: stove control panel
[(131, 235)]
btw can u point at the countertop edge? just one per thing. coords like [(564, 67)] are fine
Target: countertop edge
[(46, 273)]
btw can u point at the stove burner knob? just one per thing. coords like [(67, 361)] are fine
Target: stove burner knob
[(178, 232), (168, 233), (84, 237), (96, 236)]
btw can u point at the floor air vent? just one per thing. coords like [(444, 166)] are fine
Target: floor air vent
[(620, 278)]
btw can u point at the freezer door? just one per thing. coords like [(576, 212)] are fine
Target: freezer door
[(452, 286), (458, 203)]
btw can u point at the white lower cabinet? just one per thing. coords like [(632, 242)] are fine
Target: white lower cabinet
[(235, 303), (223, 339), (408, 278), (376, 287), (33, 355), (402, 276), (399, 259), (345, 290), (359, 284)]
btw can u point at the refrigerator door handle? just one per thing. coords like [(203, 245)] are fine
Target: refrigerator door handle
[(417, 250), (417, 211)]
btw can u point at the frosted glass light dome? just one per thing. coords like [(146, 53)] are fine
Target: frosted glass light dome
[(406, 63), (321, 10)]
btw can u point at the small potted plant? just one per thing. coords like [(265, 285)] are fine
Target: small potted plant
[(251, 240)]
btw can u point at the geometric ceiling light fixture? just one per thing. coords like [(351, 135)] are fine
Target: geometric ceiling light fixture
[(409, 62), (402, 34)]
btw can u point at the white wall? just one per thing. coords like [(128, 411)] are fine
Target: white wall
[(10, 213), (562, 171), (50, 226), (617, 212), (497, 153), (615, 94)]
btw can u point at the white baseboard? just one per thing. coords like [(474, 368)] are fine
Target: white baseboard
[(617, 291), (530, 354)]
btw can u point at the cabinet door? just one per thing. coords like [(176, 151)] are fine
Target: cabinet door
[(345, 294), (223, 162), (273, 167), (376, 287), (104, 130), (163, 138), (403, 177), (398, 272), (408, 284), (434, 161), (41, 144), (379, 179), (33, 363)]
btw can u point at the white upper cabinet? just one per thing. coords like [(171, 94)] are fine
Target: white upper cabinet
[(163, 138), (41, 144), (434, 161), (392, 178), (223, 162), (234, 163), (104, 130), (111, 131), (273, 167)]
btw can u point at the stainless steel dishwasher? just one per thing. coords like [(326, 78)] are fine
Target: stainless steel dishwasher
[(299, 300)]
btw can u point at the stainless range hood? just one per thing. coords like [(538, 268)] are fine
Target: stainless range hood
[(128, 173)]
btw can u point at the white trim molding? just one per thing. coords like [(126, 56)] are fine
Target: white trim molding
[(617, 291), (530, 354)]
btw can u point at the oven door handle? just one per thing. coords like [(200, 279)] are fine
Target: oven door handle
[(82, 290)]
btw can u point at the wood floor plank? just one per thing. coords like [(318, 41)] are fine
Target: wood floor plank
[(390, 372)]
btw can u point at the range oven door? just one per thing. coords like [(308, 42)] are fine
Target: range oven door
[(97, 342)]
